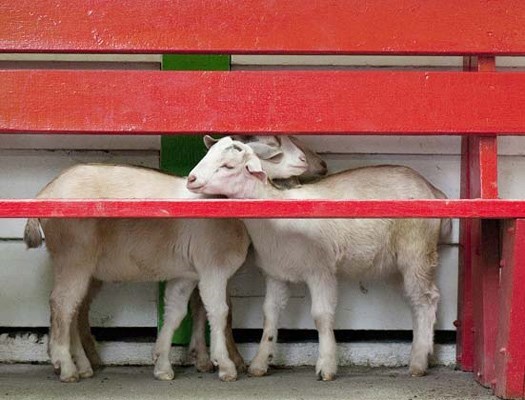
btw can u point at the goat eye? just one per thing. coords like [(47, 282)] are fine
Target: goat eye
[(227, 166), (276, 158)]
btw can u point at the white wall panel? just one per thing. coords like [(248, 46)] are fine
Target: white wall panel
[(25, 173), (362, 305), (25, 283)]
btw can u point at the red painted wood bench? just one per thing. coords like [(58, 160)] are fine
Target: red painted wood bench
[(478, 103)]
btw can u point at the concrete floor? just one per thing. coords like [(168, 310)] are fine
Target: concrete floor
[(22, 381)]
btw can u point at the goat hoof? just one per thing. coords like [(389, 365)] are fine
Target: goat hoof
[(415, 372), (241, 367), (164, 375), (257, 372), (228, 373), (325, 377), (69, 378), (204, 366), (227, 377), (88, 373)]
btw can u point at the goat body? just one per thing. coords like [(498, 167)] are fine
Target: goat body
[(184, 251), (319, 251)]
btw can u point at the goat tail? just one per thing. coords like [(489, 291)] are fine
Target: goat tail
[(32, 233)]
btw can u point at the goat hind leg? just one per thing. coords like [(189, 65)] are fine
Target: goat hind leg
[(85, 370), (70, 287), (87, 339), (198, 350), (233, 351)]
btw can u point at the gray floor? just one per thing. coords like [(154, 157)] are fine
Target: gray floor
[(21, 381)]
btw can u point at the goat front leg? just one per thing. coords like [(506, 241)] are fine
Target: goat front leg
[(277, 295), (323, 291), (212, 287), (176, 297)]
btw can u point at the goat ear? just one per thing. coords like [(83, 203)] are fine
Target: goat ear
[(209, 141), (254, 168), (241, 138), (264, 151)]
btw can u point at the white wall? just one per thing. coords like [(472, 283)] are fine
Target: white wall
[(28, 162)]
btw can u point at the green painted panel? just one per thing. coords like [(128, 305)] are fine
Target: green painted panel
[(180, 153)]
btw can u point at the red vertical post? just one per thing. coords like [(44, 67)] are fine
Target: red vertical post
[(479, 258), (485, 249), (464, 323), (510, 349)]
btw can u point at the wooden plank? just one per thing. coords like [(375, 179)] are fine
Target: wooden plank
[(264, 26), (308, 102), (219, 208), (510, 354)]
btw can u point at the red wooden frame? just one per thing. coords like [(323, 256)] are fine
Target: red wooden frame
[(469, 27), (478, 309), (139, 102), (223, 208), (476, 105)]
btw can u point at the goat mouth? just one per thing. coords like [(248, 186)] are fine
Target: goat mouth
[(301, 168), (194, 188)]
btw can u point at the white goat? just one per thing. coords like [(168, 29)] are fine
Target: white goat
[(316, 251), (183, 251), (276, 152)]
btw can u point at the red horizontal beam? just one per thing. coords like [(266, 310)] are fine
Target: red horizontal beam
[(317, 102), (215, 208), (264, 26)]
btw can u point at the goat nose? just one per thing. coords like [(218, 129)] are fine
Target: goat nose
[(323, 164), (302, 158), (192, 178)]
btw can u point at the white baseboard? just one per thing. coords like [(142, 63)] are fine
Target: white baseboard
[(33, 348)]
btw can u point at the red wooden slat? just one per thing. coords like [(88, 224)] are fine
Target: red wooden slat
[(318, 102), (510, 351), (264, 26), (20, 208)]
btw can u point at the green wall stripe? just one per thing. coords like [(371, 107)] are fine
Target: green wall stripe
[(180, 153)]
